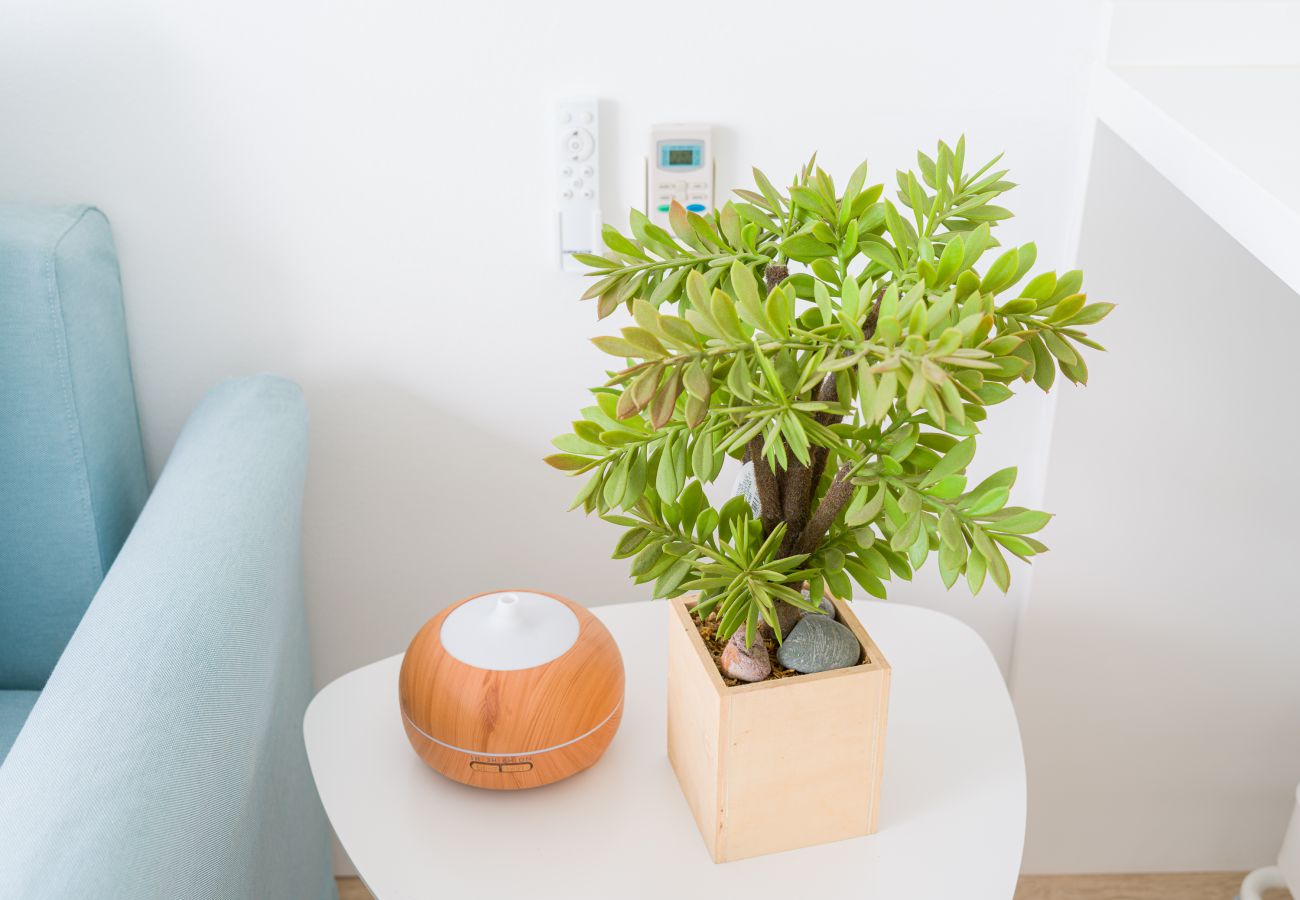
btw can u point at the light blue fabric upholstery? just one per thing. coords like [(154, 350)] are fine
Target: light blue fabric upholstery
[(14, 707), (72, 475), (165, 757)]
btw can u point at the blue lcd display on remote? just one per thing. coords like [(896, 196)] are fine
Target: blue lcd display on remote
[(681, 154)]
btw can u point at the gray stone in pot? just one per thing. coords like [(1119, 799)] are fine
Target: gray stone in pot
[(819, 644), (745, 663), (828, 608), (788, 616)]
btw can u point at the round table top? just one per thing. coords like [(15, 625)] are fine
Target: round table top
[(952, 815)]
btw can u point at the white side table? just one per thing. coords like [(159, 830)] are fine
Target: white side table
[(952, 818)]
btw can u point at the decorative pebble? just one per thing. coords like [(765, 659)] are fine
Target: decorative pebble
[(788, 616), (745, 663), (745, 486), (828, 608), (818, 644)]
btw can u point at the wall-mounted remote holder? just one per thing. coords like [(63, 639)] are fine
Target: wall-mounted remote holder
[(681, 168), (577, 140)]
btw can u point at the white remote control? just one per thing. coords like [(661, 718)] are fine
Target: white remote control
[(578, 180), (681, 168)]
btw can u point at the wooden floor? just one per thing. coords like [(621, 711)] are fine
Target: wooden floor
[(352, 889), (1182, 886), (1188, 886)]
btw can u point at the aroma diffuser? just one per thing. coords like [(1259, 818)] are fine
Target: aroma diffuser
[(511, 689)]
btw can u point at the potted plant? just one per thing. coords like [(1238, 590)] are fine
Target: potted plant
[(846, 348)]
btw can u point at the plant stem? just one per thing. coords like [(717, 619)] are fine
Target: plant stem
[(838, 494), (774, 274), (804, 480), (769, 488)]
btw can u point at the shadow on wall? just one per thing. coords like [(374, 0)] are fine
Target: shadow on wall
[(410, 508)]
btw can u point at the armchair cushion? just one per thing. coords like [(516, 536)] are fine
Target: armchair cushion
[(72, 475)]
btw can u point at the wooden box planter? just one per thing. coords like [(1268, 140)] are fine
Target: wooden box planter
[(779, 764)]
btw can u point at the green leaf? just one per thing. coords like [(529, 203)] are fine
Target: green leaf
[(1093, 312), (993, 559), (953, 462), (661, 407), (647, 344), (619, 244), (950, 530), (646, 559), (697, 381), (868, 511), (751, 302), (723, 310), (597, 262), (1026, 522), (1044, 370), (630, 542), (950, 261), (770, 193), (1001, 273), (1040, 287), (880, 253), (975, 570), (806, 248), (987, 213), (571, 443), (568, 462), (1060, 347), (1067, 308), (617, 347)]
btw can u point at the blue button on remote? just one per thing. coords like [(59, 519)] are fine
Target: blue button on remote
[(696, 207)]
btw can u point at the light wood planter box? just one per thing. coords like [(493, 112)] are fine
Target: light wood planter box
[(779, 764)]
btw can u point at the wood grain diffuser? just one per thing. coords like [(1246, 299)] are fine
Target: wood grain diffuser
[(511, 689)]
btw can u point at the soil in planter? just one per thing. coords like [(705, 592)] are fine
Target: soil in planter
[(709, 632)]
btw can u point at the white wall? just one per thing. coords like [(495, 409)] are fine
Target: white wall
[(1157, 677), (358, 196)]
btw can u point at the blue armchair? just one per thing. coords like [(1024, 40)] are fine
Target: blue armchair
[(153, 652)]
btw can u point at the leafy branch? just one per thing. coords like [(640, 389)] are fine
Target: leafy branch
[(846, 345)]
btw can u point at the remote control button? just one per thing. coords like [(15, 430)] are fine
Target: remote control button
[(588, 171), (587, 194), (696, 207), (567, 171), (585, 118), (567, 195), (577, 182), (664, 207), (579, 144)]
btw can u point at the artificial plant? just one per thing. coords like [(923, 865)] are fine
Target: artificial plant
[(848, 347)]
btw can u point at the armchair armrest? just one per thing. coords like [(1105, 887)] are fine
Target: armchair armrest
[(165, 756)]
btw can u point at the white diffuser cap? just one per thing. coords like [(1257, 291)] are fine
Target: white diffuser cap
[(509, 630)]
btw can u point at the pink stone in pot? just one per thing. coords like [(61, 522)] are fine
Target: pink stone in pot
[(745, 663)]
